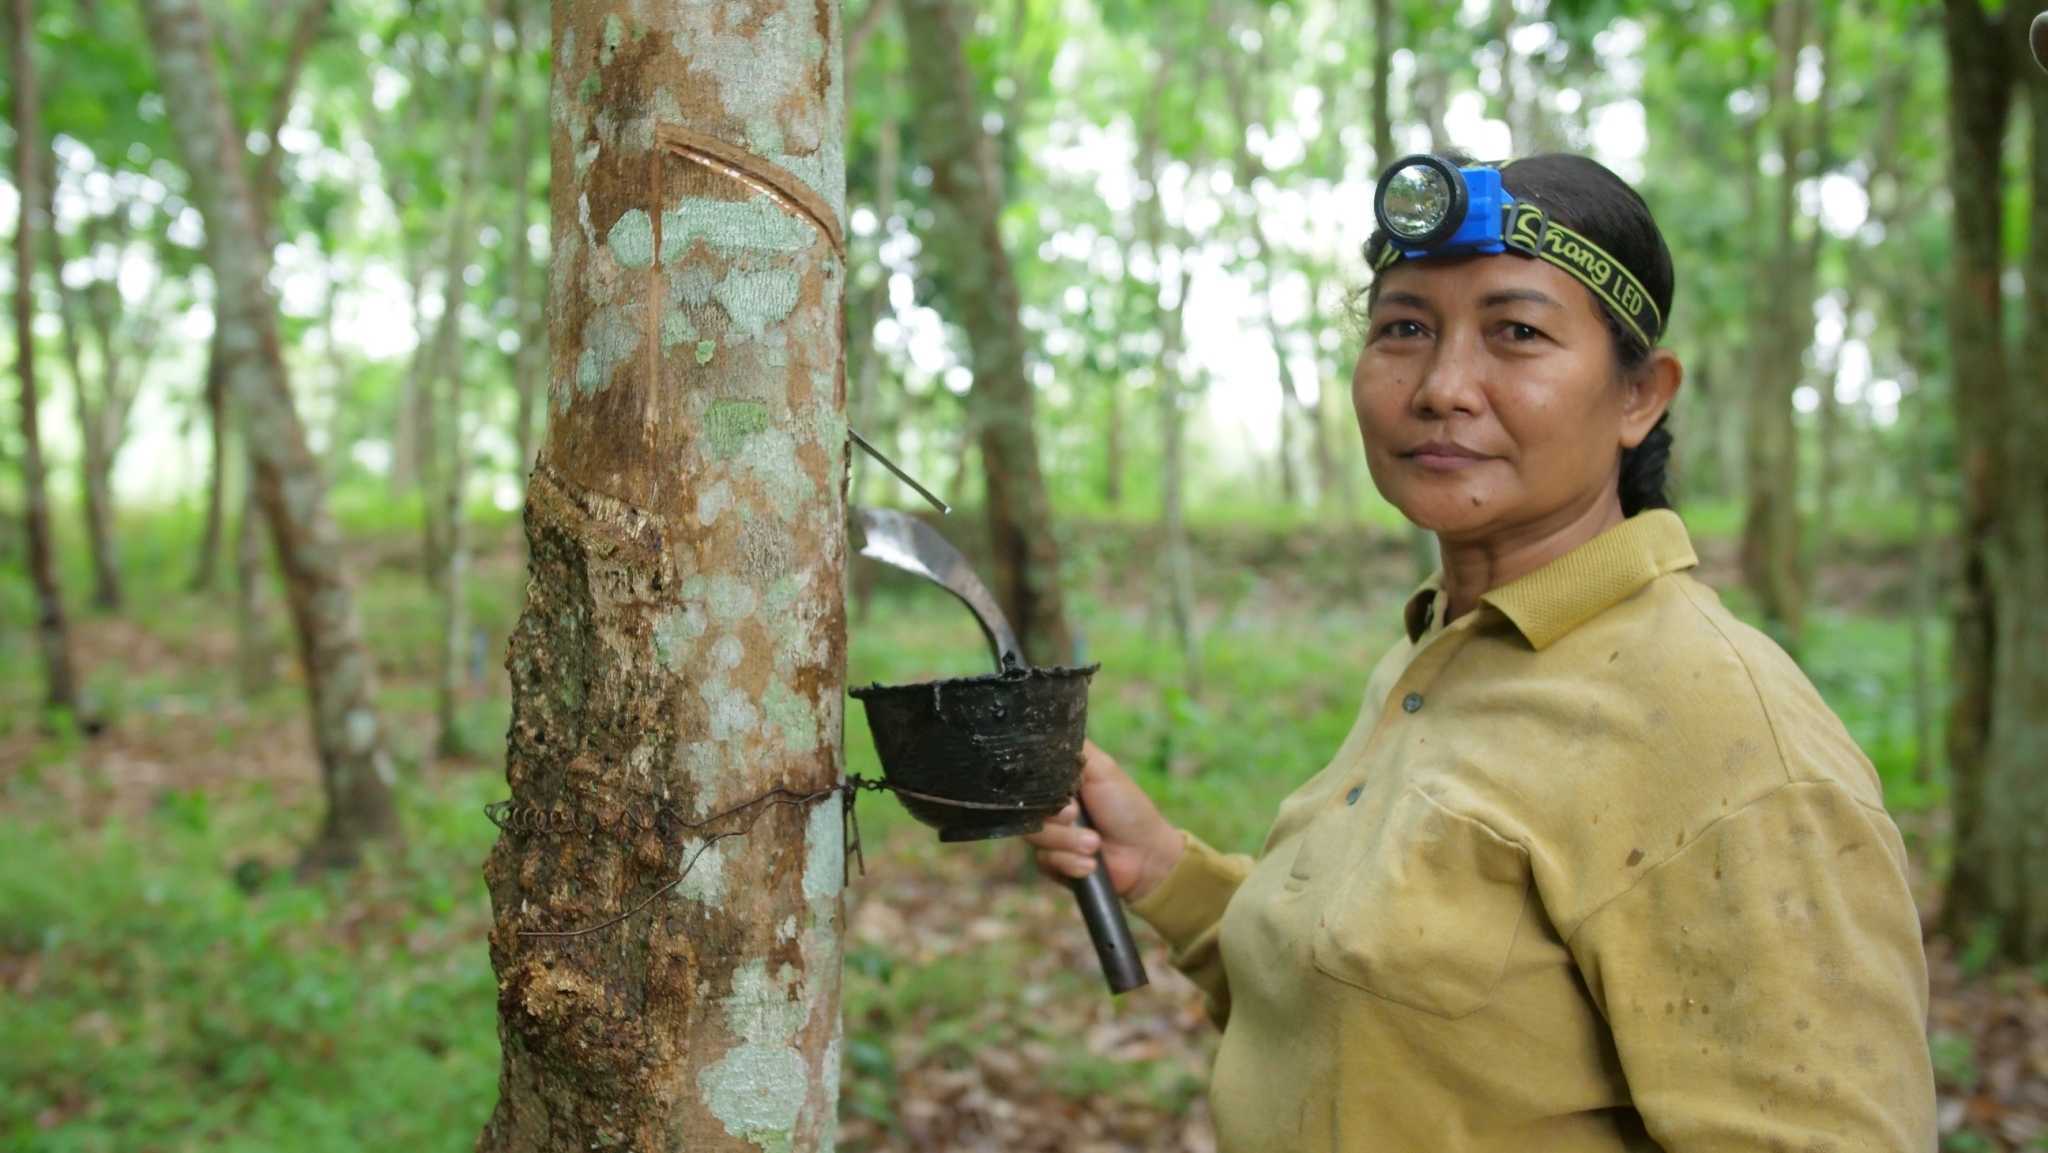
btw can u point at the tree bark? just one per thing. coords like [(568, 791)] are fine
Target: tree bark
[(1784, 326), (2011, 856), (255, 663), (1177, 570), (207, 573), (1422, 552), (1113, 441), (682, 644), (53, 636), (1246, 168), (1979, 104), (104, 418), (94, 465), (356, 772), (527, 319), (966, 244), (1998, 724), (306, 29), (454, 543), (405, 432)]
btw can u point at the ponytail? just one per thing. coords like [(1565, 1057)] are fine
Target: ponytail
[(1643, 471)]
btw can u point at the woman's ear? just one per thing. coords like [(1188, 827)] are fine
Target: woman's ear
[(1650, 390)]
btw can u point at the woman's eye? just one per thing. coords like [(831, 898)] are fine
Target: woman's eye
[(1399, 330), (1519, 333)]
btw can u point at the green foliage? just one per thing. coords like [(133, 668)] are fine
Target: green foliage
[(174, 988), (188, 995)]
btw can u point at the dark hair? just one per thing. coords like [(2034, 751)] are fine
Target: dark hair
[(1583, 195)]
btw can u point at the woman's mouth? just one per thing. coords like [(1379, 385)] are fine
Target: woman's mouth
[(1444, 456)]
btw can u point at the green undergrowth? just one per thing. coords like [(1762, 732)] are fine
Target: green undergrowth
[(175, 989), (164, 983)]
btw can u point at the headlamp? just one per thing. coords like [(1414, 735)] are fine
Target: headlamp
[(1426, 206)]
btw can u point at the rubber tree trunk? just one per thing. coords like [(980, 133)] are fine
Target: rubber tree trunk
[(1386, 33), (453, 575), (868, 410), (527, 318), (405, 433), (254, 661), (94, 466), (101, 420), (1998, 724), (2010, 856), (356, 773), (208, 570), (53, 637), (965, 242), (1247, 169), (681, 651), (1177, 567), (1783, 323)]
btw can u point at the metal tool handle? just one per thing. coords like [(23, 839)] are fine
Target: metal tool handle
[(1121, 965)]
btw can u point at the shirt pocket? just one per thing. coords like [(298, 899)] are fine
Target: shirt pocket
[(1427, 910)]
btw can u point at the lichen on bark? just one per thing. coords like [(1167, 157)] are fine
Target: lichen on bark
[(681, 650)]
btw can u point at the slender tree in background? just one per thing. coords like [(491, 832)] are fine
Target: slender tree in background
[(966, 249), (1169, 303), (1783, 320), (1998, 722), (52, 635), (355, 769), (680, 657), (1245, 169), (453, 553), (866, 407), (266, 174), (528, 320), (255, 655), (1386, 33), (101, 403)]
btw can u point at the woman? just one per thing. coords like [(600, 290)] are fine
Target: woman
[(1596, 869)]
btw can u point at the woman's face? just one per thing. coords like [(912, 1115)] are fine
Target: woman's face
[(1489, 399)]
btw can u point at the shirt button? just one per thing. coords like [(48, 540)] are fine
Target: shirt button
[(1412, 702), (1351, 798)]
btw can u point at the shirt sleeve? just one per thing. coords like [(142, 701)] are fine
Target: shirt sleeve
[(1187, 909), (1766, 986)]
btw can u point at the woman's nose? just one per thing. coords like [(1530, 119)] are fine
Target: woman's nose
[(1452, 384)]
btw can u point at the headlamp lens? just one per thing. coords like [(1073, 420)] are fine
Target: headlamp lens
[(1417, 199)]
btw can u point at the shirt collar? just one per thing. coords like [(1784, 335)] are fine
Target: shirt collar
[(1546, 604), (1420, 612)]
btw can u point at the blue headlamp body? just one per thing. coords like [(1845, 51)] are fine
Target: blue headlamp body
[(1427, 207), (1479, 228)]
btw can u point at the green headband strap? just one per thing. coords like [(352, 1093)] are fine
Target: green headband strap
[(1529, 231)]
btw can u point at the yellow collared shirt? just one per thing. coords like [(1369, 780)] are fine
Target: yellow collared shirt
[(1596, 869)]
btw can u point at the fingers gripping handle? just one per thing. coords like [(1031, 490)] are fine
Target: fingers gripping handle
[(1121, 965)]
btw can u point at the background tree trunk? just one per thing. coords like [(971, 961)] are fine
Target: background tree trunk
[(866, 407), (448, 360), (103, 416), (1998, 724), (528, 320), (1979, 106), (968, 246), (355, 770), (255, 663), (1422, 552), (1177, 569), (1783, 328), (52, 635), (207, 572), (682, 647), (1246, 169), (93, 465)]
